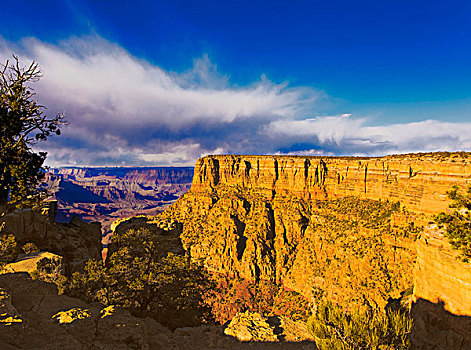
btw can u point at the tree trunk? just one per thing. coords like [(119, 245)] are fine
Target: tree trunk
[(3, 201)]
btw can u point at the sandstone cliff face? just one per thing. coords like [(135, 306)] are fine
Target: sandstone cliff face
[(419, 181), (439, 276), (442, 290), (265, 217), (259, 217)]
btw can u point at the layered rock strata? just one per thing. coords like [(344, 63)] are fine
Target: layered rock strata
[(439, 276), (265, 217), (418, 181), (106, 194)]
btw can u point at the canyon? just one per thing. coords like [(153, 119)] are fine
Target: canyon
[(107, 194), (349, 228), (250, 215)]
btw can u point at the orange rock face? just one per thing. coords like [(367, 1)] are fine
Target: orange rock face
[(419, 181), (439, 276), (260, 217)]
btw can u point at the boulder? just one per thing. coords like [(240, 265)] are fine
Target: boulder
[(251, 326), (28, 263)]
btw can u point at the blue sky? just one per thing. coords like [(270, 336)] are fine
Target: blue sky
[(163, 82)]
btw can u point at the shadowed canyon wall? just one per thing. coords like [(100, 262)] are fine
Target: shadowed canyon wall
[(76, 241)]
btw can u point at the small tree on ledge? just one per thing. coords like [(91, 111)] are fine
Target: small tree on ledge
[(458, 222), (22, 124)]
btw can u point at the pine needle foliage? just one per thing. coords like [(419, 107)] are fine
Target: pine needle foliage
[(136, 277), (22, 125)]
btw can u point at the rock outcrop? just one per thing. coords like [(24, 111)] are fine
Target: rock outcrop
[(329, 225), (76, 241), (29, 263), (33, 316), (251, 326), (265, 217)]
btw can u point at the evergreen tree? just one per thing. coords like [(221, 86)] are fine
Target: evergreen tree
[(22, 124), (137, 277)]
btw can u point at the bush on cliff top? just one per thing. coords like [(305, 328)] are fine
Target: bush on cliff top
[(334, 328), (458, 222), (169, 288), (9, 250)]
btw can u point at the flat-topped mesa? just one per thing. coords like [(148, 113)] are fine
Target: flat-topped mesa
[(258, 218), (418, 181)]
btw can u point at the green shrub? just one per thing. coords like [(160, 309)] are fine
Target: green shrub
[(9, 250), (458, 222), (136, 277), (30, 248), (334, 328)]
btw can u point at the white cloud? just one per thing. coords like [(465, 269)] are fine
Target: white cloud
[(116, 101), (354, 136), (123, 110), (98, 76), (178, 155)]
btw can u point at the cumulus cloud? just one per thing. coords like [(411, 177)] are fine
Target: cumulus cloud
[(123, 110), (343, 134)]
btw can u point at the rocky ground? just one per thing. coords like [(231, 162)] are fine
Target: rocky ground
[(76, 241), (34, 316)]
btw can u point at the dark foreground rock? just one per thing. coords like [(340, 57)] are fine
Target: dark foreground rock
[(76, 241), (34, 316)]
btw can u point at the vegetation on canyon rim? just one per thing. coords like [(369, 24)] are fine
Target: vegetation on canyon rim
[(168, 288), (358, 230), (173, 290), (336, 328), (22, 124), (457, 223)]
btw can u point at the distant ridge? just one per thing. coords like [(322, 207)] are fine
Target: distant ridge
[(107, 193)]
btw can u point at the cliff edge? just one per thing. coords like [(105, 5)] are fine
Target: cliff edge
[(418, 181), (346, 227)]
